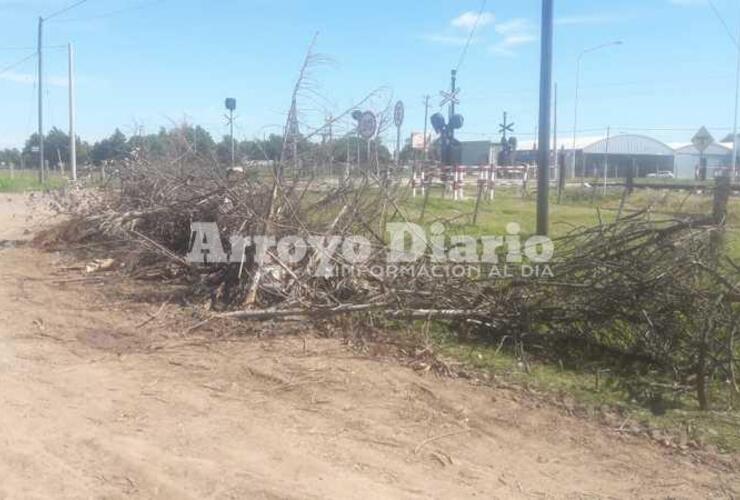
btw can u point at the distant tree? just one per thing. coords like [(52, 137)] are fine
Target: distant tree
[(205, 145), (28, 150), (56, 147), (272, 147), (114, 147), (83, 151), (8, 156), (407, 154)]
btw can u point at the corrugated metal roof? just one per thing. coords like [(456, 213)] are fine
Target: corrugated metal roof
[(630, 145), (563, 142), (714, 149)]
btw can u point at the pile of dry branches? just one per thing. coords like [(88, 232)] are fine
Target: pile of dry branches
[(656, 291)]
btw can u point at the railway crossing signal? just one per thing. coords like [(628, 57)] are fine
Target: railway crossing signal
[(505, 126)]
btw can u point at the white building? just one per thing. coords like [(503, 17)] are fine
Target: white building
[(718, 158)]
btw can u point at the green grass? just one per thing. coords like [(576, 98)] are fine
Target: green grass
[(507, 207), (681, 422), (579, 208), (681, 419), (27, 180)]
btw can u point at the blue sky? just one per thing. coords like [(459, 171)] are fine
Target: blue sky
[(144, 63)]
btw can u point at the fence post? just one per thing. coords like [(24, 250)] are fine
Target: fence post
[(721, 198), (630, 181), (719, 216)]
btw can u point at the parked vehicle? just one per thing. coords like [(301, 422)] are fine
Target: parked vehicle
[(662, 175)]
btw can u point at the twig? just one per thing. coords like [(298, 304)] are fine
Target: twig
[(437, 438)]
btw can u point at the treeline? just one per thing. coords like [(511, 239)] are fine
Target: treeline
[(182, 142)]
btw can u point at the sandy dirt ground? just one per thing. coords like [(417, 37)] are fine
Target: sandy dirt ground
[(99, 400)]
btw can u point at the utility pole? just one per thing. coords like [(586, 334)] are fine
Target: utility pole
[(72, 136), (349, 161), (231, 135), (398, 147), (555, 131), (737, 106), (331, 144), (426, 121), (543, 177), (606, 157), (453, 89), (42, 167), (230, 104), (359, 153)]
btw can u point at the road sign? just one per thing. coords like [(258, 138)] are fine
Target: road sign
[(450, 97), (367, 125), (702, 140), (398, 114), (230, 103), (418, 142)]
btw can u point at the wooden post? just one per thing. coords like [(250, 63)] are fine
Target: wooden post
[(721, 198), (719, 216), (477, 201), (425, 181)]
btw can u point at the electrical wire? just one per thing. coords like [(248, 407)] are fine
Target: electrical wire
[(472, 33), (724, 23), (113, 13), (34, 48), (65, 9), (17, 63)]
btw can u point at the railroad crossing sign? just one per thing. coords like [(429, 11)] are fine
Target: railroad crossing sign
[(399, 114), (449, 97), (702, 140), (367, 125), (505, 127)]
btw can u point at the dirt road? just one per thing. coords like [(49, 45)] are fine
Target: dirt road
[(96, 404)]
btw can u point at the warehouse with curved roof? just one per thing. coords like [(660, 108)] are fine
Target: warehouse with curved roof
[(619, 155), (718, 158)]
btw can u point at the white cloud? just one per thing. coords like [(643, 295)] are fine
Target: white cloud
[(468, 20), (514, 33), (465, 22), (507, 36), (513, 27)]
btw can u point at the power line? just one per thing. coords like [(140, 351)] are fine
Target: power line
[(472, 33), (105, 15), (17, 48), (65, 9), (17, 63), (722, 20), (34, 48)]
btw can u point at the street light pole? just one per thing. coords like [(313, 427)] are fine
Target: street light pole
[(578, 88)]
